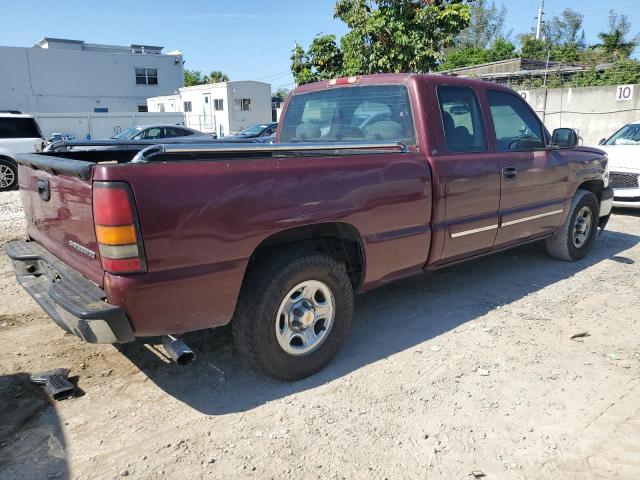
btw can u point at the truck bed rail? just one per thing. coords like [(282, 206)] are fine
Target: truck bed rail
[(154, 147)]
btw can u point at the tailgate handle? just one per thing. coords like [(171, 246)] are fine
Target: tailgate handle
[(43, 189)]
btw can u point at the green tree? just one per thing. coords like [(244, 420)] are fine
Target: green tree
[(282, 94), (565, 29), (384, 36), (192, 77), (467, 56), (614, 44), (216, 76), (533, 48), (485, 26), (323, 60)]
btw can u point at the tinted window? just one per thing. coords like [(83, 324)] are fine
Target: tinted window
[(517, 128), (175, 132), (350, 114), (461, 119), (19, 128)]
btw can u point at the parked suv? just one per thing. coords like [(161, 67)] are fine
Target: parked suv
[(18, 134)]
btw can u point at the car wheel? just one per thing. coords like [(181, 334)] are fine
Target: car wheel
[(294, 314), (575, 237), (8, 175)]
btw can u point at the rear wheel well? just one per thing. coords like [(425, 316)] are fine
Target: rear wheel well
[(340, 241), (593, 186)]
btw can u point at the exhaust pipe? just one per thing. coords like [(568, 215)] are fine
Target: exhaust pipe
[(178, 350)]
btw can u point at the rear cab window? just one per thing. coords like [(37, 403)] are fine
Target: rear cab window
[(19, 127), (350, 114), (462, 120)]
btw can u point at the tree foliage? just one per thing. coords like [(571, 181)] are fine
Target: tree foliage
[(565, 30), (486, 26), (384, 36), (281, 94), (615, 45), (192, 77), (195, 77), (466, 56)]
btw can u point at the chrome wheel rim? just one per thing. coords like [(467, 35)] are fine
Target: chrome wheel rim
[(305, 317), (7, 177), (582, 227)]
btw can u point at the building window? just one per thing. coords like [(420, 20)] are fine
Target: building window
[(218, 104), (146, 76), (101, 110), (161, 107), (187, 106), (242, 104), (143, 108)]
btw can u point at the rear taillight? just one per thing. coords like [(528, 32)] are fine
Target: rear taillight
[(117, 228)]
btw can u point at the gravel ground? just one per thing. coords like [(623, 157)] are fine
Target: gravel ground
[(469, 370)]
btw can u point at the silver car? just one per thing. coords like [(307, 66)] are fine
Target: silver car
[(160, 132)]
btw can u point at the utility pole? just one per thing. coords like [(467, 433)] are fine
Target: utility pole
[(539, 24)]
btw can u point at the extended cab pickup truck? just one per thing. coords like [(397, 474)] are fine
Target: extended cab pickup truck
[(372, 179)]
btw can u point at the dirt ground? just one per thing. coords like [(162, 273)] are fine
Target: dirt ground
[(467, 370)]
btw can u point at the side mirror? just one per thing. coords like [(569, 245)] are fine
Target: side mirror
[(602, 140), (564, 138)]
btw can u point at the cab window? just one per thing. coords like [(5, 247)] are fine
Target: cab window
[(516, 127), (350, 114), (461, 119)]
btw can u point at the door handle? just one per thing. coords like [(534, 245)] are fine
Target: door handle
[(509, 173)]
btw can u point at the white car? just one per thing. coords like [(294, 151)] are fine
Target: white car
[(18, 134), (623, 149)]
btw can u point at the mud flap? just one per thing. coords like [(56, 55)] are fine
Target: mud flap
[(55, 382), (603, 224)]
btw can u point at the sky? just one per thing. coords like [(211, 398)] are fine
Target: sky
[(246, 39)]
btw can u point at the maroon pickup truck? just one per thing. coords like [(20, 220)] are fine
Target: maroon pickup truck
[(372, 179)]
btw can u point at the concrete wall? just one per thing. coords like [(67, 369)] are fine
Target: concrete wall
[(595, 112), (68, 80), (100, 125)]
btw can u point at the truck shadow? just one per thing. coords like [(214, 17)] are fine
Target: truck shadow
[(388, 320), (32, 443)]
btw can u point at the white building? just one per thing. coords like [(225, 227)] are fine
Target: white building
[(58, 75), (224, 108)]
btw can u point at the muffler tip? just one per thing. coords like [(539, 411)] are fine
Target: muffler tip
[(178, 350)]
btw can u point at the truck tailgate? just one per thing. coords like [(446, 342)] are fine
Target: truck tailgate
[(58, 206)]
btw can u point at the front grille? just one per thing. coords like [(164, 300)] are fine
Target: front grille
[(623, 180)]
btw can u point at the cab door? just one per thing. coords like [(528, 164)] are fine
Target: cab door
[(534, 181), (472, 174)]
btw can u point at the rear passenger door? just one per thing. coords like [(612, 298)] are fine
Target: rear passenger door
[(534, 180), (472, 175)]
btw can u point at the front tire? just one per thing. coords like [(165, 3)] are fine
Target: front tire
[(8, 175), (574, 239), (294, 314)]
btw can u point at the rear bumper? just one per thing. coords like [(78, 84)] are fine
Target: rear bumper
[(73, 302)]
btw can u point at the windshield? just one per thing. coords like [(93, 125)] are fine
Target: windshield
[(627, 135), (254, 129), (348, 114), (127, 134)]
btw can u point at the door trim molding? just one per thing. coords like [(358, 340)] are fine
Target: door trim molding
[(532, 217), (475, 230)]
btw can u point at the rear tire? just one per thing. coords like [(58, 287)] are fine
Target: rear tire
[(293, 314), (574, 239), (8, 175)]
